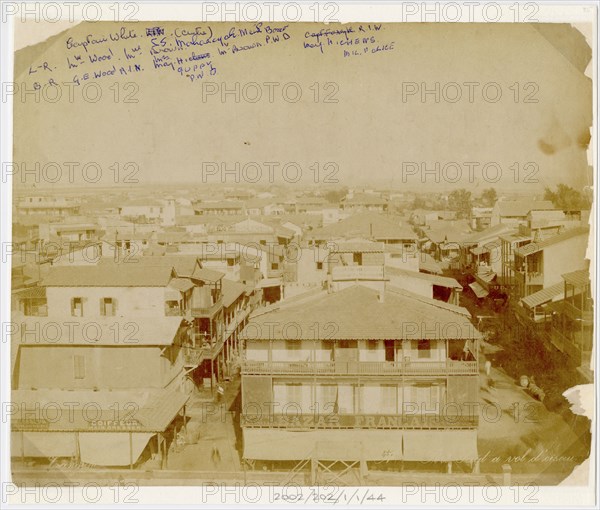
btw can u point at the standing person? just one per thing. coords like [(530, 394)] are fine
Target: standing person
[(215, 455)]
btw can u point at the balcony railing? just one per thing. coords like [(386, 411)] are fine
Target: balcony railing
[(357, 273), (360, 367), (576, 313)]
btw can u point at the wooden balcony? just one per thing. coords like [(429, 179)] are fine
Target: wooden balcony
[(530, 278), (576, 313), (355, 368), (570, 347)]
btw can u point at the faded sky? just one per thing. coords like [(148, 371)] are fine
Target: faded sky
[(371, 133)]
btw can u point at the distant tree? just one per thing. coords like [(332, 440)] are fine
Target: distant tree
[(419, 203), (460, 201), (489, 197), (334, 196), (567, 198)]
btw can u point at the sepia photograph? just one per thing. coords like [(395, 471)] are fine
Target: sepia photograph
[(299, 253)]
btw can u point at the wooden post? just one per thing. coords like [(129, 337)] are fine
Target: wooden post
[(314, 467), (184, 421), (161, 449), (77, 447), (130, 450), (166, 452)]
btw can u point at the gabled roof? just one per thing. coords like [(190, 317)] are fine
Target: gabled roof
[(109, 274), (536, 246), (357, 313), (207, 275)]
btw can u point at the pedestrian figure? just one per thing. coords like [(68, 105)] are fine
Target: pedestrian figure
[(216, 455)]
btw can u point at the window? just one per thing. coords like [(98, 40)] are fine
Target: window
[(357, 258), (372, 345), (78, 366), (389, 399), (294, 394), (77, 307), (274, 266), (319, 266), (107, 306), (424, 348), (293, 345), (172, 308), (390, 350)]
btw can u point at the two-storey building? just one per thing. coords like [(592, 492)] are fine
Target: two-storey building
[(361, 375)]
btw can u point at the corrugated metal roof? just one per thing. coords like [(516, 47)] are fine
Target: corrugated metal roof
[(543, 296), (579, 278), (536, 246)]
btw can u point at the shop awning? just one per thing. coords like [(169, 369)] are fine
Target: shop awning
[(341, 444), (440, 445), (155, 409), (42, 444), (112, 448), (479, 291)]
